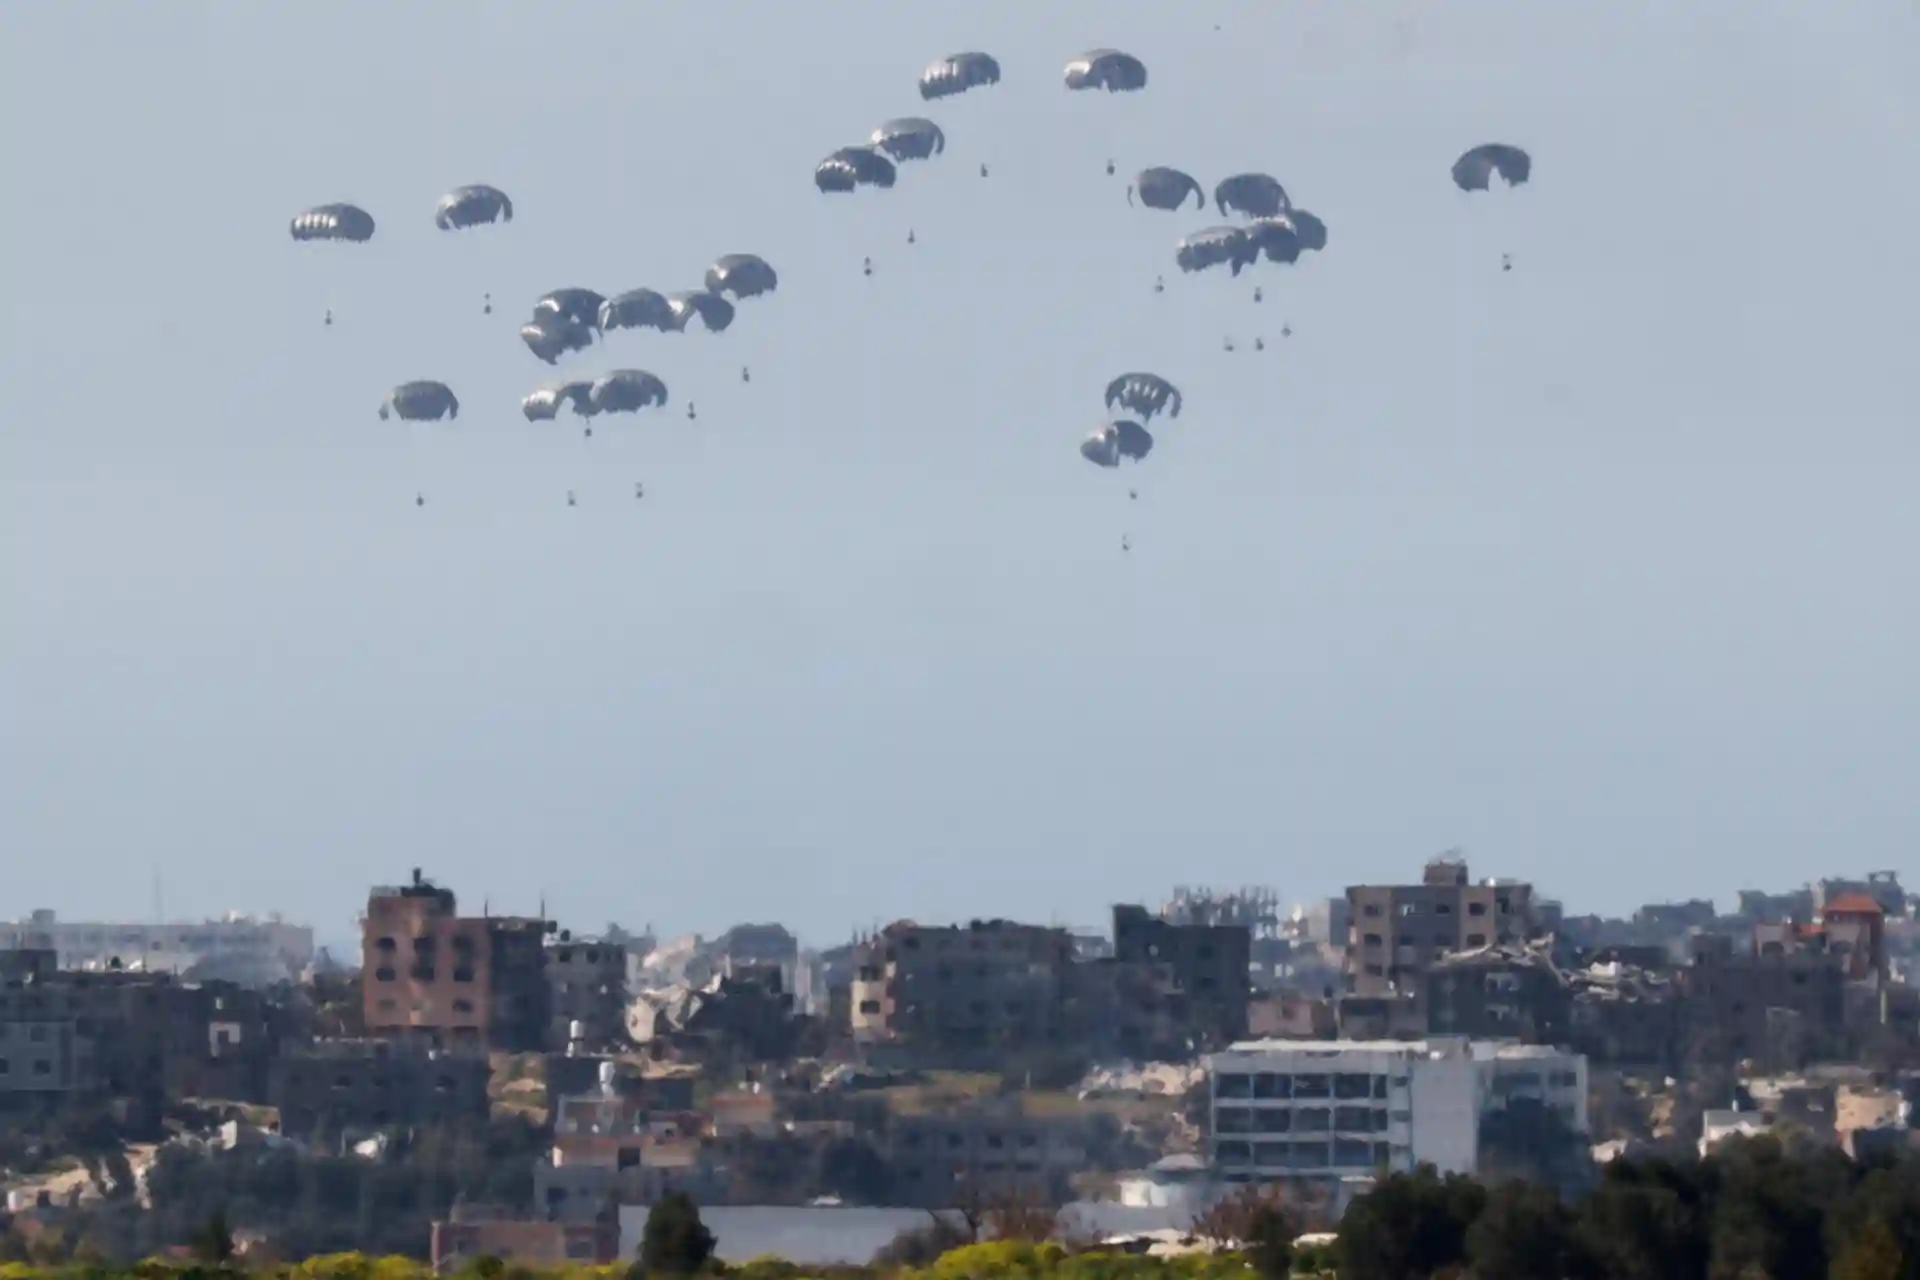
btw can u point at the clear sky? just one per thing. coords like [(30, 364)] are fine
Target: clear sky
[(1603, 569)]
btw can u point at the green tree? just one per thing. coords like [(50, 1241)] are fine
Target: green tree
[(1873, 1254), (1255, 1221), (1408, 1227), (922, 1246), (1523, 1233), (675, 1241), (1645, 1222)]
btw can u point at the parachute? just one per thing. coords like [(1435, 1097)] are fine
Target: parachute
[(910, 138), (1216, 246), (1312, 231), (638, 309), (1278, 237), (1475, 169), (851, 167), (346, 222), (544, 404), (420, 402), (1116, 440), (470, 206), (1164, 188), (715, 312), (1102, 448), (744, 275), (582, 306), (958, 73), (1253, 195), (1107, 69), (627, 391), (550, 335), (1133, 439), (1145, 394)]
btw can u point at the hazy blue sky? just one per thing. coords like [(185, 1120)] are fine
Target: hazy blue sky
[(1603, 569)]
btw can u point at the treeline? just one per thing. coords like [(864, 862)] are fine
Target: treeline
[(1752, 1211)]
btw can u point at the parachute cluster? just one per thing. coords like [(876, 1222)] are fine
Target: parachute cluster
[(1259, 222), (1142, 395)]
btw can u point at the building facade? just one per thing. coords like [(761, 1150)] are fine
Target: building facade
[(429, 972), (987, 985), (1396, 932), (537, 1243), (340, 1088), (1320, 1112), (942, 1161), (1207, 964), (235, 948), (586, 993)]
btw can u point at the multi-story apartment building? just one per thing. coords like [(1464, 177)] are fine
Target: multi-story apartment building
[(429, 971), (587, 993), (1207, 964), (989, 984), (1396, 932), (1323, 1111), (121, 1034)]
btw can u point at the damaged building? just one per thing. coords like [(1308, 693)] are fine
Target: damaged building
[(1502, 991), (430, 973), (68, 1035), (1204, 963), (337, 1089), (749, 1017), (967, 993), (586, 993), (1397, 932), (990, 985)]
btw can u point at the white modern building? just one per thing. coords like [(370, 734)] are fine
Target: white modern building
[(238, 948), (1331, 1109)]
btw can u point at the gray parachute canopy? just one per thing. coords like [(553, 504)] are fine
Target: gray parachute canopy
[(910, 138), (638, 309), (626, 391), (1107, 69), (715, 312), (420, 402), (471, 206), (1101, 448), (957, 74), (1277, 237), (744, 275), (1163, 188), (1118, 439), (851, 167), (579, 305), (544, 404), (348, 222), (1253, 195), (1133, 439), (1145, 394), (1216, 246), (1475, 169), (1285, 236), (1312, 231), (550, 335)]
